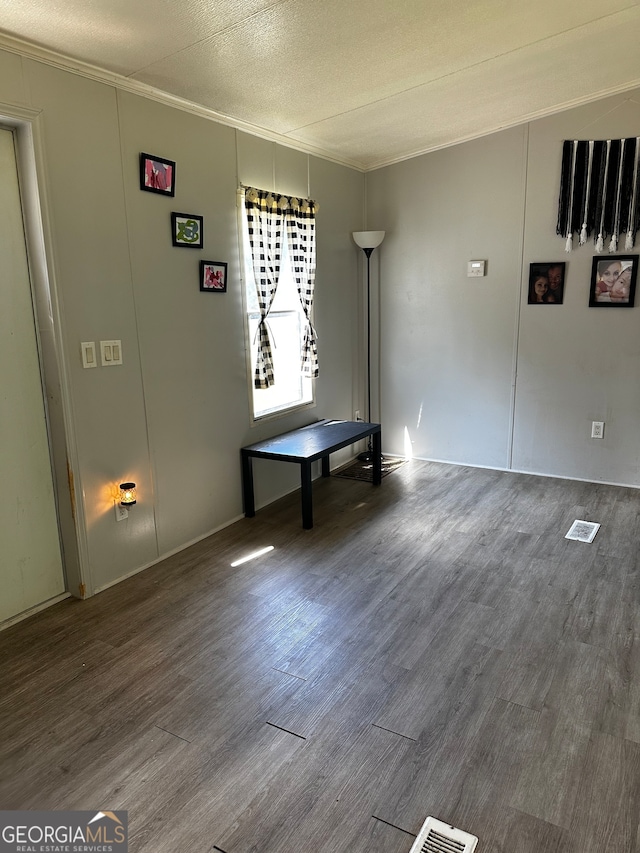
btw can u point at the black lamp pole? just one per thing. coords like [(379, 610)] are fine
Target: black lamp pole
[(367, 455), (368, 252), (368, 241)]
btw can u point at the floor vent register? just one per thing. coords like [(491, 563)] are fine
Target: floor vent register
[(438, 837), (583, 531)]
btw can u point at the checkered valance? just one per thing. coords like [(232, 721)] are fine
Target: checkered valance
[(272, 217), (599, 192)]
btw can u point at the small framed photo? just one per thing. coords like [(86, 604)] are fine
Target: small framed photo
[(186, 230), (213, 276), (157, 175), (613, 281), (546, 283)]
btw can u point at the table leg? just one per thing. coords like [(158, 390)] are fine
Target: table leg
[(247, 485), (326, 471), (307, 500), (377, 458)]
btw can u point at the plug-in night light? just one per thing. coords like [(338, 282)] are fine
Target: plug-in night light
[(128, 494)]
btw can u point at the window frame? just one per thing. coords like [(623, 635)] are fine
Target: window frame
[(247, 278)]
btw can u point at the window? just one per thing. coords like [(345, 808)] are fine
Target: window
[(281, 382)]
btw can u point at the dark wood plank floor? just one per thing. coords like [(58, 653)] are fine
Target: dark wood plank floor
[(434, 646)]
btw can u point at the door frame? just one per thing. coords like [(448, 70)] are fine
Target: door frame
[(26, 125)]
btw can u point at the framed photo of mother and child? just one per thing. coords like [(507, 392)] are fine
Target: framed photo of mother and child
[(613, 281)]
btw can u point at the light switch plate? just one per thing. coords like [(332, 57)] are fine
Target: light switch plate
[(111, 353), (88, 349)]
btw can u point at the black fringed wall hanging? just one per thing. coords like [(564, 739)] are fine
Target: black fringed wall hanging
[(599, 192)]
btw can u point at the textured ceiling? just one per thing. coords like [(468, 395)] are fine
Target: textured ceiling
[(366, 82)]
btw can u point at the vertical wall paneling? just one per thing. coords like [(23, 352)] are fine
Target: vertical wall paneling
[(449, 343), (173, 416)]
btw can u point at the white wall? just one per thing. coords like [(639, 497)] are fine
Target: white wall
[(174, 416), (473, 373), (447, 342), (581, 364)]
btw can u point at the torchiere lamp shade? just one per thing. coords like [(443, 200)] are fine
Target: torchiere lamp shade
[(368, 239)]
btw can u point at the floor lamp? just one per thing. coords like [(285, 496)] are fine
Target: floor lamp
[(368, 241)]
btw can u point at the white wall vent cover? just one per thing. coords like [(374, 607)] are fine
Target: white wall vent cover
[(583, 531), (438, 837)]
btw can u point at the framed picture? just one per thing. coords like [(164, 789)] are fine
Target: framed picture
[(546, 283), (213, 277), (157, 175), (186, 230), (613, 281)]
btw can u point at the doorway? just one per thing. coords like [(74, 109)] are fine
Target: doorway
[(31, 570)]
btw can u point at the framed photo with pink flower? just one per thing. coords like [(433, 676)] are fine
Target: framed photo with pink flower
[(213, 276), (157, 175), (613, 281)]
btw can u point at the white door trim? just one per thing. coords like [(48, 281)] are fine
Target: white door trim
[(27, 126)]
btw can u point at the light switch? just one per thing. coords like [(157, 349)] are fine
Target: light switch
[(111, 352), (88, 349)]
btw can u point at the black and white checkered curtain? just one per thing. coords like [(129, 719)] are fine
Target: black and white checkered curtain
[(301, 236), (267, 215), (600, 192), (265, 218)]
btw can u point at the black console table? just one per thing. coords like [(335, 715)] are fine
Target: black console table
[(305, 446)]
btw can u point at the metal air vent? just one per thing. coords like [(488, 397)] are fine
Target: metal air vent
[(438, 837), (583, 531)]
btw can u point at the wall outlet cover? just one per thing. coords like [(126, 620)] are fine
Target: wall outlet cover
[(121, 512)]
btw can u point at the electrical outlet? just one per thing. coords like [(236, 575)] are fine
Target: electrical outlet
[(357, 417), (597, 429), (121, 512)]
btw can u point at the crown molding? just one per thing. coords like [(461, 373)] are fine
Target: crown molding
[(12, 44), (27, 49), (611, 92)]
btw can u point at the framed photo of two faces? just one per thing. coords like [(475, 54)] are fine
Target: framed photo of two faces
[(613, 282)]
